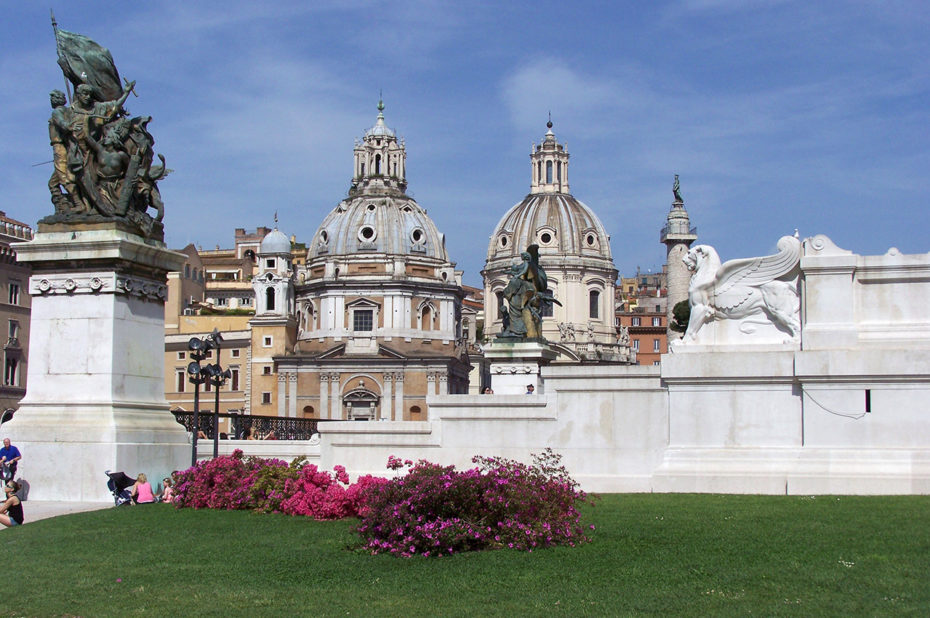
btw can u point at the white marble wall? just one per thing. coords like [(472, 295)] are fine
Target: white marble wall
[(739, 418)]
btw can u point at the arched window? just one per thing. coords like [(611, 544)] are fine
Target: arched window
[(377, 165), (594, 302), (548, 172), (187, 271), (269, 299), (363, 169), (426, 319), (558, 171), (501, 307), (539, 171)]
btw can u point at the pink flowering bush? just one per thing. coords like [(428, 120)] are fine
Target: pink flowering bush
[(436, 510), (270, 486)]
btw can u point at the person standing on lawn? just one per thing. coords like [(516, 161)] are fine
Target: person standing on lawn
[(9, 459)]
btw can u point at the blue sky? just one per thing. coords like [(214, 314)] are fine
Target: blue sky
[(776, 114)]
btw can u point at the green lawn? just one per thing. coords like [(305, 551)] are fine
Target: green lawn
[(651, 555)]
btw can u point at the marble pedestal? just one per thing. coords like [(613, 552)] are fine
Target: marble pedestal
[(95, 390), (516, 364)]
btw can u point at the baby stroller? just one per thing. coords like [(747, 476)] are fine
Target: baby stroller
[(118, 484)]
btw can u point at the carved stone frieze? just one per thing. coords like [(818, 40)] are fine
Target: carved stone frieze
[(49, 284)]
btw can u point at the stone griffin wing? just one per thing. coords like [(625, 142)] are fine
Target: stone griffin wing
[(736, 278)]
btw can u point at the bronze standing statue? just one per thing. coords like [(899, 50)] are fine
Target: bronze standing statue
[(103, 158), (526, 294)]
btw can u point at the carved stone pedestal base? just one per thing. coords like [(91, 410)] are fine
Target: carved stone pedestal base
[(95, 392), (516, 365)]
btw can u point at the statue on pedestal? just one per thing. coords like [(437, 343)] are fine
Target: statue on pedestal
[(102, 157), (526, 294)]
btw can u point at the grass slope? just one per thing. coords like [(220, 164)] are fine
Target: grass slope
[(651, 555)]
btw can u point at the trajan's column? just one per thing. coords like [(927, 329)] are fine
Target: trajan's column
[(677, 236)]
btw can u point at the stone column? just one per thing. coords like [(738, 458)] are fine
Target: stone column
[(324, 395), (96, 397), (282, 394), (335, 410), (398, 413), (386, 411), (292, 395)]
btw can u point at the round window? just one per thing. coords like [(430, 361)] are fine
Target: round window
[(503, 241), (417, 235), (367, 233), (324, 236), (590, 240), (546, 238), (371, 207)]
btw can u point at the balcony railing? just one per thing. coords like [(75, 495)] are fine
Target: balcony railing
[(284, 428)]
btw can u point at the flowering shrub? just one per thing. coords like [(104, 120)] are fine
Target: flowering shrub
[(270, 486), (436, 510)]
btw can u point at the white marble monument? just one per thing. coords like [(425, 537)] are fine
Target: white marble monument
[(95, 400)]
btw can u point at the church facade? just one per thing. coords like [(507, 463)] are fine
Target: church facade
[(372, 323)]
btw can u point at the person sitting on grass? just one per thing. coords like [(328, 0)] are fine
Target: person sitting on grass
[(11, 511), (142, 490), (167, 493)]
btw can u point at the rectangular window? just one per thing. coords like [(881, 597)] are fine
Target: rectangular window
[(182, 355), (594, 301), (657, 321), (14, 329), (234, 353), (209, 354), (207, 387), (234, 381), (637, 321), (10, 374), (266, 398), (656, 362), (14, 293), (269, 263), (266, 370), (181, 376), (363, 320), (267, 341), (222, 302), (636, 345), (655, 345)]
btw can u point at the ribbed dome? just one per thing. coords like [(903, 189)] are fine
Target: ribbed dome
[(557, 222), (394, 225), (275, 242)]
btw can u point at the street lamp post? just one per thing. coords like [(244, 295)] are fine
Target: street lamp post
[(217, 377), (199, 347)]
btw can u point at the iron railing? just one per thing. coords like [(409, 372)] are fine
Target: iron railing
[(284, 428)]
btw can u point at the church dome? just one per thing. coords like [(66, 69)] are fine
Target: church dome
[(549, 216), (275, 242), (379, 217), (389, 224)]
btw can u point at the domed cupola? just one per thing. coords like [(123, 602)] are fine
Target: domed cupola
[(574, 250), (549, 216), (378, 218), (275, 243)]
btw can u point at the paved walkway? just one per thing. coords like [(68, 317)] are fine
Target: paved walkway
[(34, 510)]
